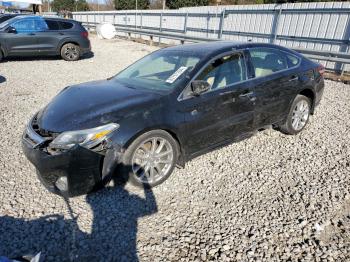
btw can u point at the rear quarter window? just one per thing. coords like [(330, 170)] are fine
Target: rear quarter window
[(66, 25), (267, 61)]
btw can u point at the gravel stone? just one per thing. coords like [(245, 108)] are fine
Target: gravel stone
[(256, 200)]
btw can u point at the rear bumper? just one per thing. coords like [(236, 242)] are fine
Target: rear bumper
[(80, 167), (86, 50), (85, 46), (319, 92)]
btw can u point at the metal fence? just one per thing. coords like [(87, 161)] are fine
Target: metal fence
[(319, 30)]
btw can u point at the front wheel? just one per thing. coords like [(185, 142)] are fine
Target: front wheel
[(298, 116), (150, 159), (70, 52)]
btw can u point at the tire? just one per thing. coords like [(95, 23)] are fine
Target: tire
[(70, 52), (137, 152), (298, 116)]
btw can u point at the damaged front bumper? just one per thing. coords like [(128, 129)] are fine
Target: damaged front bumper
[(70, 173)]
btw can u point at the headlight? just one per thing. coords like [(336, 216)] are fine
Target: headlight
[(87, 138)]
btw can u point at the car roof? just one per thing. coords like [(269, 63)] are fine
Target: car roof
[(45, 17), (217, 47)]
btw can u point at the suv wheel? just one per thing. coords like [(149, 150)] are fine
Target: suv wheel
[(150, 159), (70, 52), (298, 116)]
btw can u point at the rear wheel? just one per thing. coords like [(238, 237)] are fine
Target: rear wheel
[(70, 52), (150, 159), (298, 116)]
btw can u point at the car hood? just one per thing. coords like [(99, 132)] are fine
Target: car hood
[(92, 104)]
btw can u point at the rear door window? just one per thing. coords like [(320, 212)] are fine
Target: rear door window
[(40, 25), (52, 24), (267, 61), (66, 25)]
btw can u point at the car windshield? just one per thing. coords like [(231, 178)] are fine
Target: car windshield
[(7, 21), (160, 70)]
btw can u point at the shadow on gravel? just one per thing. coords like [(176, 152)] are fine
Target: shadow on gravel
[(2, 79), (47, 58), (112, 238)]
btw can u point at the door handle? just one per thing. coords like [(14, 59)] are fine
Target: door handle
[(246, 94), (249, 95), (293, 78)]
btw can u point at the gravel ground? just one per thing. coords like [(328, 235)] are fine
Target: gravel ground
[(269, 198)]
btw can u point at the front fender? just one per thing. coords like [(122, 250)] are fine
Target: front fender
[(111, 160)]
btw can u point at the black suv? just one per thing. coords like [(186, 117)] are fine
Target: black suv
[(35, 35)]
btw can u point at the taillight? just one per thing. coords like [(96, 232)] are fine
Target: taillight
[(321, 70), (85, 34)]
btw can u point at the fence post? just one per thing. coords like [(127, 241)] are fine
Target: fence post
[(160, 26), (221, 24), (185, 23), (95, 18), (344, 47), (208, 19), (141, 20), (161, 21), (114, 19), (275, 24)]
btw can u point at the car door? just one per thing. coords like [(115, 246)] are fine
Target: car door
[(50, 37), (22, 41), (275, 81), (222, 113)]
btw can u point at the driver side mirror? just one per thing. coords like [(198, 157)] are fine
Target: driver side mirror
[(199, 86), (12, 30)]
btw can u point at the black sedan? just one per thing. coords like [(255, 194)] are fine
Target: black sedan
[(167, 108), (34, 35)]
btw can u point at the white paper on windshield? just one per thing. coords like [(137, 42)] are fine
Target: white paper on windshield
[(176, 75)]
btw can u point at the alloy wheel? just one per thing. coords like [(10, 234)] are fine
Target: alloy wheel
[(300, 115), (152, 160), (71, 52)]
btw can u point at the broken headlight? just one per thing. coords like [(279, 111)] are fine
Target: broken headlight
[(87, 138)]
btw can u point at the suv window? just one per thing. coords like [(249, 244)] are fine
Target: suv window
[(52, 24), (29, 25), (267, 61), (40, 25), (24, 26), (66, 25), (224, 71)]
